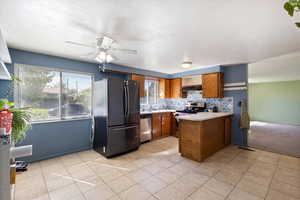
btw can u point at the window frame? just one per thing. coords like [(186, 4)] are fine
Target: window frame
[(17, 91), (156, 92)]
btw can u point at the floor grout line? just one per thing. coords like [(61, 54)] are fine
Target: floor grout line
[(269, 186), (243, 174)]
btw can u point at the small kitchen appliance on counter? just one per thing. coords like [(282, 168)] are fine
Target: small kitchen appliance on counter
[(215, 109)]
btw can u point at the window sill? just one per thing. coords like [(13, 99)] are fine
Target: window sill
[(61, 120)]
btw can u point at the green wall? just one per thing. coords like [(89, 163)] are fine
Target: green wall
[(275, 102)]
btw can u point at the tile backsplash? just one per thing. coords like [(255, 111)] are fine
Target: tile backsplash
[(223, 104)]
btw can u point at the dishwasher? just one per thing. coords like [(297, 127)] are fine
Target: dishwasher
[(146, 128)]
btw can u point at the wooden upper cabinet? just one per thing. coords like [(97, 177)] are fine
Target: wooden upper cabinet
[(166, 124), (164, 88), (212, 85), (175, 88), (141, 80)]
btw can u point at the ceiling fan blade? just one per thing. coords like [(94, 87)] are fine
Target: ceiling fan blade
[(91, 55), (114, 58), (80, 44), (129, 51), (85, 26)]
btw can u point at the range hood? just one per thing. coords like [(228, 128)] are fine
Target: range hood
[(4, 58), (192, 83)]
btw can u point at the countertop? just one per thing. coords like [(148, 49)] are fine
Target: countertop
[(156, 111), (203, 116)]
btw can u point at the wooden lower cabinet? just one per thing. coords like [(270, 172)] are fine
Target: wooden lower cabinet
[(174, 127), (200, 139), (161, 125), (227, 136), (212, 136), (156, 126), (166, 124)]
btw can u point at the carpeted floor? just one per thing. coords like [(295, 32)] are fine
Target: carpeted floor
[(278, 138)]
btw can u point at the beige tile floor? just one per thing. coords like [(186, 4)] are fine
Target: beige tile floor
[(157, 171)]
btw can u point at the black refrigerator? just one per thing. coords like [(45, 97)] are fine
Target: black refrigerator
[(116, 116)]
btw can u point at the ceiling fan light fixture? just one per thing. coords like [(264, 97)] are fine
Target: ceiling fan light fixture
[(109, 58), (103, 57), (99, 59), (186, 64)]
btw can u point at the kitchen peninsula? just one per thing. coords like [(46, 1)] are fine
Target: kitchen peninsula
[(203, 134)]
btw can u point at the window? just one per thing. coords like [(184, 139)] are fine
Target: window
[(76, 95), (54, 94), (151, 91)]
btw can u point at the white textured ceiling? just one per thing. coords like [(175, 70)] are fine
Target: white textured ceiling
[(209, 32), (281, 68)]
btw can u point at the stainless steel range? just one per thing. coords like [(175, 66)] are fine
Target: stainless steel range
[(191, 108)]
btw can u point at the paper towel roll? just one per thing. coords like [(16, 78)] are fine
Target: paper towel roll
[(22, 151)]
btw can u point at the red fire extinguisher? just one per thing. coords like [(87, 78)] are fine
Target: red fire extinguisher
[(5, 122)]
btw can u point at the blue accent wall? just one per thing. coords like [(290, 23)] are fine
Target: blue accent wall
[(58, 138), (4, 84), (236, 74)]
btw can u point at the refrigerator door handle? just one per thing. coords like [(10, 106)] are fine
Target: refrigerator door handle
[(125, 103), (128, 103), (123, 128), (93, 130)]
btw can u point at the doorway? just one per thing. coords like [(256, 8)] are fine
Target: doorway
[(274, 105)]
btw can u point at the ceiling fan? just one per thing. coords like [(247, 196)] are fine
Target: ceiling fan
[(103, 50)]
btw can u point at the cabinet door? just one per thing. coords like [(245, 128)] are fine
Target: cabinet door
[(166, 124), (167, 88), (175, 85), (141, 80), (227, 131), (212, 136), (156, 125), (164, 88), (212, 85), (174, 125)]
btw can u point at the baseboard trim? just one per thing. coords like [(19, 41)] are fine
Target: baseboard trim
[(41, 158)]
